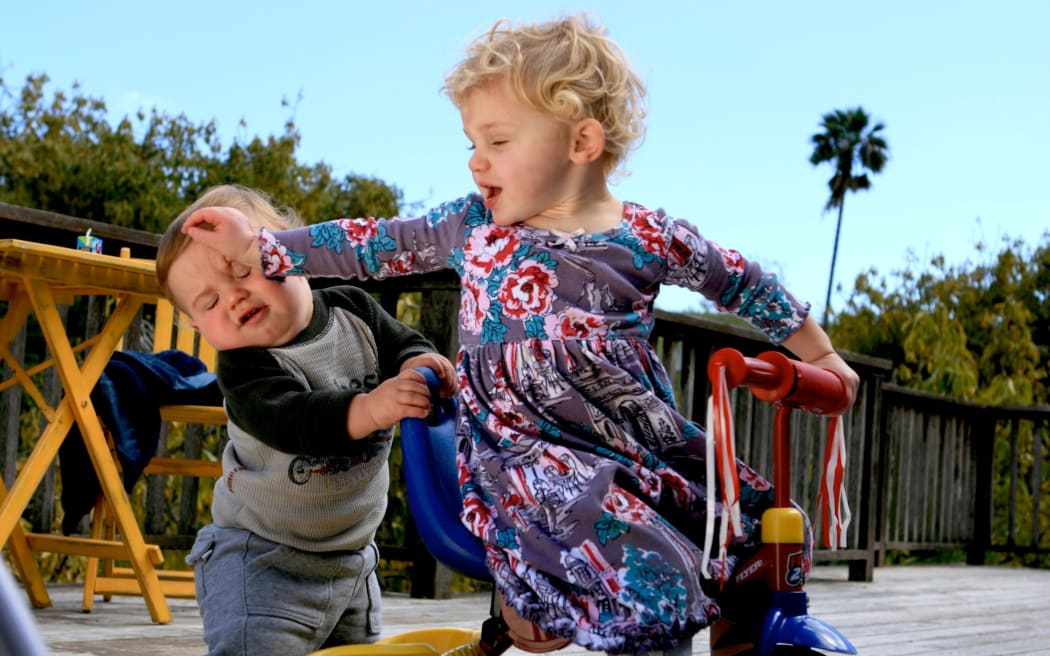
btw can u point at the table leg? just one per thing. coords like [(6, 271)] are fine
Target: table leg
[(25, 564), (78, 383), (18, 310), (32, 472)]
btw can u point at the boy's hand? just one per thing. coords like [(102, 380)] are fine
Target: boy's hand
[(226, 230), (406, 395), (441, 365)]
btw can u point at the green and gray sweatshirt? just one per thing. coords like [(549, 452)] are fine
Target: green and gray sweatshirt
[(291, 474)]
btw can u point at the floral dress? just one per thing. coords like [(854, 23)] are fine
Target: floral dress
[(577, 471)]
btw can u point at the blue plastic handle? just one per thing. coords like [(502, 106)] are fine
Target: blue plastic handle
[(428, 449)]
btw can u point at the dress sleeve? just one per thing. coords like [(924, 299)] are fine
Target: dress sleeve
[(736, 285), (369, 248)]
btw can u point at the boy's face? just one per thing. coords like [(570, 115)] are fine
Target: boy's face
[(234, 306), (521, 156)]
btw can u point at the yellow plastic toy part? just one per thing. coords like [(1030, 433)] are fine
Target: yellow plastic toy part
[(420, 642), (782, 526)]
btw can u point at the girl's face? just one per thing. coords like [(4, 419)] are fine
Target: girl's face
[(520, 161), (235, 306)]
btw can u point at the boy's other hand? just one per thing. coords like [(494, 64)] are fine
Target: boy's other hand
[(405, 395), (441, 365)]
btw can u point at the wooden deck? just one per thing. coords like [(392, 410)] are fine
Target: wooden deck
[(906, 611)]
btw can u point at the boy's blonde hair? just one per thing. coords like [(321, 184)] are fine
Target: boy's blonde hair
[(256, 205), (568, 68)]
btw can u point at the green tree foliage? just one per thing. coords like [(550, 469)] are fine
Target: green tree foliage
[(978, 331), (848, 144), (65, 153)]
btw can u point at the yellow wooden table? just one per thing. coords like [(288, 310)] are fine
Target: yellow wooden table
[(32, 277)]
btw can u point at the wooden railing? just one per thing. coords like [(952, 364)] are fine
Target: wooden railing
[(923, 471), (1024, 433), (957, 475)]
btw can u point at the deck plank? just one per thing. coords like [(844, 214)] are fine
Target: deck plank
[(907, 610)]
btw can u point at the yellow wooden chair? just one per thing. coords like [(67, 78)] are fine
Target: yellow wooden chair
[(112, 579)]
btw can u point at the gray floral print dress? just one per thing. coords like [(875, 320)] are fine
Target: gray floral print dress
[(577, 472)]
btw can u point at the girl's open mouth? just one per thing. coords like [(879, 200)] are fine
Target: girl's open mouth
[(491, 194)]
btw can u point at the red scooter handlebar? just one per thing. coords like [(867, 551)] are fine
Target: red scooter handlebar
[(775, 378)]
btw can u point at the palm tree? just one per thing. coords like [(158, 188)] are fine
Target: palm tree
[(845, 143)]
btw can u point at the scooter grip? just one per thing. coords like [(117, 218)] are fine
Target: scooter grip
[(814, 389), (775, 378)]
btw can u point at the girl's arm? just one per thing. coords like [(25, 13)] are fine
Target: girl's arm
[(736, 285), (741, 287), (371, 248), (362, 248)]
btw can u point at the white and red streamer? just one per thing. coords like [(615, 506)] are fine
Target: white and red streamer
[(832, 504), (831, 500), (721, 456)]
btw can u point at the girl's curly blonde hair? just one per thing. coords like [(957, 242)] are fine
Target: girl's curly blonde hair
[(568, 68)]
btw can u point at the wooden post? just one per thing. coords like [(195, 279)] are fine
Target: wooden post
[(984, 456), (870, 486)]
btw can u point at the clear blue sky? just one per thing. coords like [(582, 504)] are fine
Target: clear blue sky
[(736, 90)]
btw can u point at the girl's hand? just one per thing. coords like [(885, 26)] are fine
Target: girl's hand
[(228, 231), (811, 344), (441, 365), (835, 363)]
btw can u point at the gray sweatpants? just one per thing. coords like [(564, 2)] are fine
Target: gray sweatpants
[(260, 598)]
